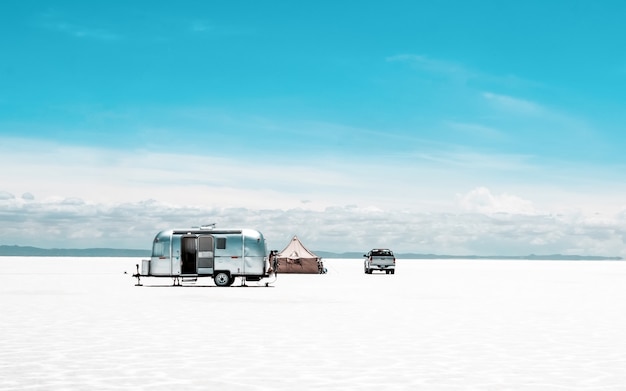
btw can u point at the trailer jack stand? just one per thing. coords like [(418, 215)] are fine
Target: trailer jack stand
[(267, 284), (138, 275)]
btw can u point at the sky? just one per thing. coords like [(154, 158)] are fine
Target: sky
[(449, 127)]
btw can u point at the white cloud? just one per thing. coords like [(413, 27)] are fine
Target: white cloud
[(544, 122), (86, 197), (208, 27), (424, 63), (477, 130), (56, 21), (482, 201), (82, 31), (107, 176), (78, 224), (473, 160), (200, 26), (459, 72), (509, 103), (4, 195)]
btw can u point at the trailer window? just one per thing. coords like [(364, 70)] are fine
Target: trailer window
[(205, 243), (161, 247), (221, 243)]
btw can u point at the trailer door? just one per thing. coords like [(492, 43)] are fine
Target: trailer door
[(188, 255), (205, 254)]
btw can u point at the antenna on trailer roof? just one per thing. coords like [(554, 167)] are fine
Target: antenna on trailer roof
[(207, 226)]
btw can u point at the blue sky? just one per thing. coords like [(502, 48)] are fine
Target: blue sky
[(447, 127)]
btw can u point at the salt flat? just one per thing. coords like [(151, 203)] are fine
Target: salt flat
[(81, 324)]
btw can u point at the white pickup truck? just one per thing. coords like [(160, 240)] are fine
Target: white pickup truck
[(380, 259)]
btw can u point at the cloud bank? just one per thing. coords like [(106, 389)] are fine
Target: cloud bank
[(491, 225), (75, 197)]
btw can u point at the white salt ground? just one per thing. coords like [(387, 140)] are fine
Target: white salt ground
[(81, 324)]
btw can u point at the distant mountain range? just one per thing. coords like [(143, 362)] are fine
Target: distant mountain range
[(28, 251), (550, 257)]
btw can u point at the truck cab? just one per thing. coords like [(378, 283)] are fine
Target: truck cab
[(381, 259)]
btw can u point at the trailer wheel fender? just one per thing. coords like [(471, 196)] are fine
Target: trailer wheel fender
[(223, 279)]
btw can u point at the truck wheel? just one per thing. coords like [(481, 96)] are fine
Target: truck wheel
[(222, 279)]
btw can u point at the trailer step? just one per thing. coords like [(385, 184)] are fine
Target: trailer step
[(189, 278)]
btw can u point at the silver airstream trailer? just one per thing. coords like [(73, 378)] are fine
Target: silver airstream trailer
[(224, 254)]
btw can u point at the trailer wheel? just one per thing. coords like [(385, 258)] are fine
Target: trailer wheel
[(222, 279)]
